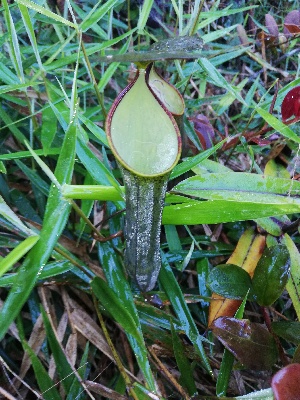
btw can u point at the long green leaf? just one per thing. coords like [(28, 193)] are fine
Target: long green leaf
[(293, 284), (10, 216), (56, 215), (112, 303), (17, 253), (96, 14), (241, 187), (185, 369), (279, 126), (144, 15), (30, 31), (47, 13), (218, 79), (118, 283), (174, 293), (217, 211)]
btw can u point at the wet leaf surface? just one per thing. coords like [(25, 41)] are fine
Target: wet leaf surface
[(244, 339), (288, 330), (271, 274), (230, 281)]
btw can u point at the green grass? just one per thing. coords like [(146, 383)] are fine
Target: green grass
[(72, 325)]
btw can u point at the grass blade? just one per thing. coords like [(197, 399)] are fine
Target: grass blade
[(56, 215), (174, 293), (118, 283), (47, 13), (144, 15), (17, 253), (279, 126)]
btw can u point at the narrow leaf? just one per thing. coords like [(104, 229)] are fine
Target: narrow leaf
[(279, 126), (174, 293), (17, 253)]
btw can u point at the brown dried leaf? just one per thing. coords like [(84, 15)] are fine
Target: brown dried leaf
[(71, 348), (35, 341), (242, 35), (104, 391), (60, 333), (292, 23), (88, 328)]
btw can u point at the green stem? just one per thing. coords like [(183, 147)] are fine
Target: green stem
[(144, 204), (98, 94)]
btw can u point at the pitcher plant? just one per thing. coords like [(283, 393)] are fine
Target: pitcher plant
[(145, 139)]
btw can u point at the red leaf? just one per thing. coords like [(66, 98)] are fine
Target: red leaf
[(244, 339), (291, 23), (285, 383), (290, 106)]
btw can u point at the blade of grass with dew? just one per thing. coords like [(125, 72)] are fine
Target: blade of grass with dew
[(212, 36), (218, 211), (279, 126), (14, 48), (175, 295), (144, 15), (191, 162), (47, 13), (293, 286), (96, 14), (218, 79), (118, 283), (30, 32), (5, 117), (95, 167), (93, 128), (17, 253), (194, 16), (50, 270), (210, 16), (8, 214), (106, 77), (55, 219), (12, 87), (7, 76)]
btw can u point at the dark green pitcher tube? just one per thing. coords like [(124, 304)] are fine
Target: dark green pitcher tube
[(144, 205), (145, 139)]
